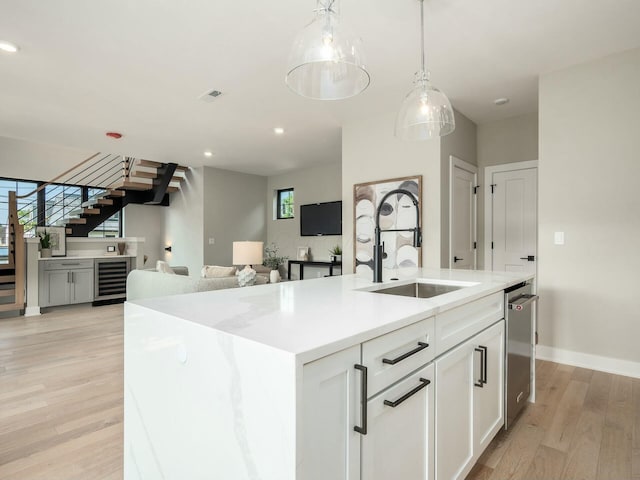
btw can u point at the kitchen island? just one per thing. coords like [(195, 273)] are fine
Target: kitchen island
[(321, 379)]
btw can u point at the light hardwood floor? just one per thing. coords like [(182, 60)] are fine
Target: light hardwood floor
[(61, 395), (61, 409)]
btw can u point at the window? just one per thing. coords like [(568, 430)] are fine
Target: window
[(284, 203), (51, 206), (27, 209)]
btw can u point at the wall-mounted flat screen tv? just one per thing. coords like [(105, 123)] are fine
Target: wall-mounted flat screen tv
[(318, 219)]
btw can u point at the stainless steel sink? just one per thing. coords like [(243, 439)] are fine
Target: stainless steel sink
[(419, 289)]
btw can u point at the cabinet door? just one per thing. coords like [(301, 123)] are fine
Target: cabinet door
[(454, 412), (399, 442), (489, 400), (55, 288), (82, 285), (330, 448)]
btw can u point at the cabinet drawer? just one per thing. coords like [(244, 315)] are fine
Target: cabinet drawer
[(458, 324), (67, 264), (394, 355)]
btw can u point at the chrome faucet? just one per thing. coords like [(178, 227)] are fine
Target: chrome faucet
[(378, 247)]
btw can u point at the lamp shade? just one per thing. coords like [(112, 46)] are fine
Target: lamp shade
[(425, 113), (326, 61), (247, 253)]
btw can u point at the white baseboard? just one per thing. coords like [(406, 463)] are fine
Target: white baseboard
[(586, 360), (31, 311)]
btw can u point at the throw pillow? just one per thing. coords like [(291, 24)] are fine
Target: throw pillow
[(215, 271), (163, 267)]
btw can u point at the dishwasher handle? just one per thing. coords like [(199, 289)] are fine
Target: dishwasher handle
[(521, 301)]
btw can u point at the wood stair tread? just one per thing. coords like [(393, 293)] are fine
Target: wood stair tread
[(153, 176), (8, 307), (116, 193), (7, 292), (104, 201), (76, 221), (149, 163), (141, 174), (90, 211), (173, 189), (7, 266), (128, 185), (7, 279)]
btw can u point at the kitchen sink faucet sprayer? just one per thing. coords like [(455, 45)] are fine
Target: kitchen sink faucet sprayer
[(378, 247)]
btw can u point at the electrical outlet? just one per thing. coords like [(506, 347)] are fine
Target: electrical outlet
[(212, 241)]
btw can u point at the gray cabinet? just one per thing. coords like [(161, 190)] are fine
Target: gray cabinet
[(64, 282)]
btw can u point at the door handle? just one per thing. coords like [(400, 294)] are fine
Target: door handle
[(362, 429), (456, 259), (529, 258), (423, 383), (393, 361), (483, 366)]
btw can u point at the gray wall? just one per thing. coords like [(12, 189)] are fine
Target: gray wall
[(588, 184), (509, 140), (371, 152), (461, 144), (234, 209), (184, 223), (146, 221), (213, 203), (311, 185)]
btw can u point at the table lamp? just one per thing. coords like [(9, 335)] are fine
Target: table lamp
[(247, 253)]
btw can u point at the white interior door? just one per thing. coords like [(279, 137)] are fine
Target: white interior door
[(513, 193), (462, 214)]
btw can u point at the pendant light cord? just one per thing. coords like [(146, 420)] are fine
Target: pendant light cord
[(424, 72)]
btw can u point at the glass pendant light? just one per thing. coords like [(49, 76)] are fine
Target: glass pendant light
[(425, 112), (326, 61)]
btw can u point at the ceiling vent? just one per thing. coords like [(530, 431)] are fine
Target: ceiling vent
[(210, 95)]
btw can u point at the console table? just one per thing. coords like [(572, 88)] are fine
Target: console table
[(312, 263)]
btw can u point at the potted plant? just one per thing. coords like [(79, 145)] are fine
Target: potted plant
[(273, 261), (336, 254), (45, 244)]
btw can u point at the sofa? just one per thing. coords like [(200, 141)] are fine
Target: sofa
[(151, 283)]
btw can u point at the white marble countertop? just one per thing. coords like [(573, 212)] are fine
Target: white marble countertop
[(314, 318), (85, 257)]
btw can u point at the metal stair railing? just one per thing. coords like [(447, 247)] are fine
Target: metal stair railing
[(100, 171)]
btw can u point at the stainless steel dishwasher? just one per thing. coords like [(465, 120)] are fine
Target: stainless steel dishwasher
[(519, 324)]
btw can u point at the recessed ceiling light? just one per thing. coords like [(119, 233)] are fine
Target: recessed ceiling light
[(278, 130), (501, 101), (8, 47), (208, 154)]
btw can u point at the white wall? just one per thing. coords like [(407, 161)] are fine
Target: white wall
[(462, 144), (234, 209), (22, 159), (146, 221), (509, 140), (371, 152), (311, 185), (588, 181)]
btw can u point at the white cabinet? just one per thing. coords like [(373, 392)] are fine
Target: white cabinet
[(454, 412), (488, 401), (64, 282), (470, 401), (399, 440), (330, 447)]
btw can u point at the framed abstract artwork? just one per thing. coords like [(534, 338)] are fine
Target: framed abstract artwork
[(397, 213)]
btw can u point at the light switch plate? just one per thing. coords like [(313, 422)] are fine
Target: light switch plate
[(212, 241), (558, 238)]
